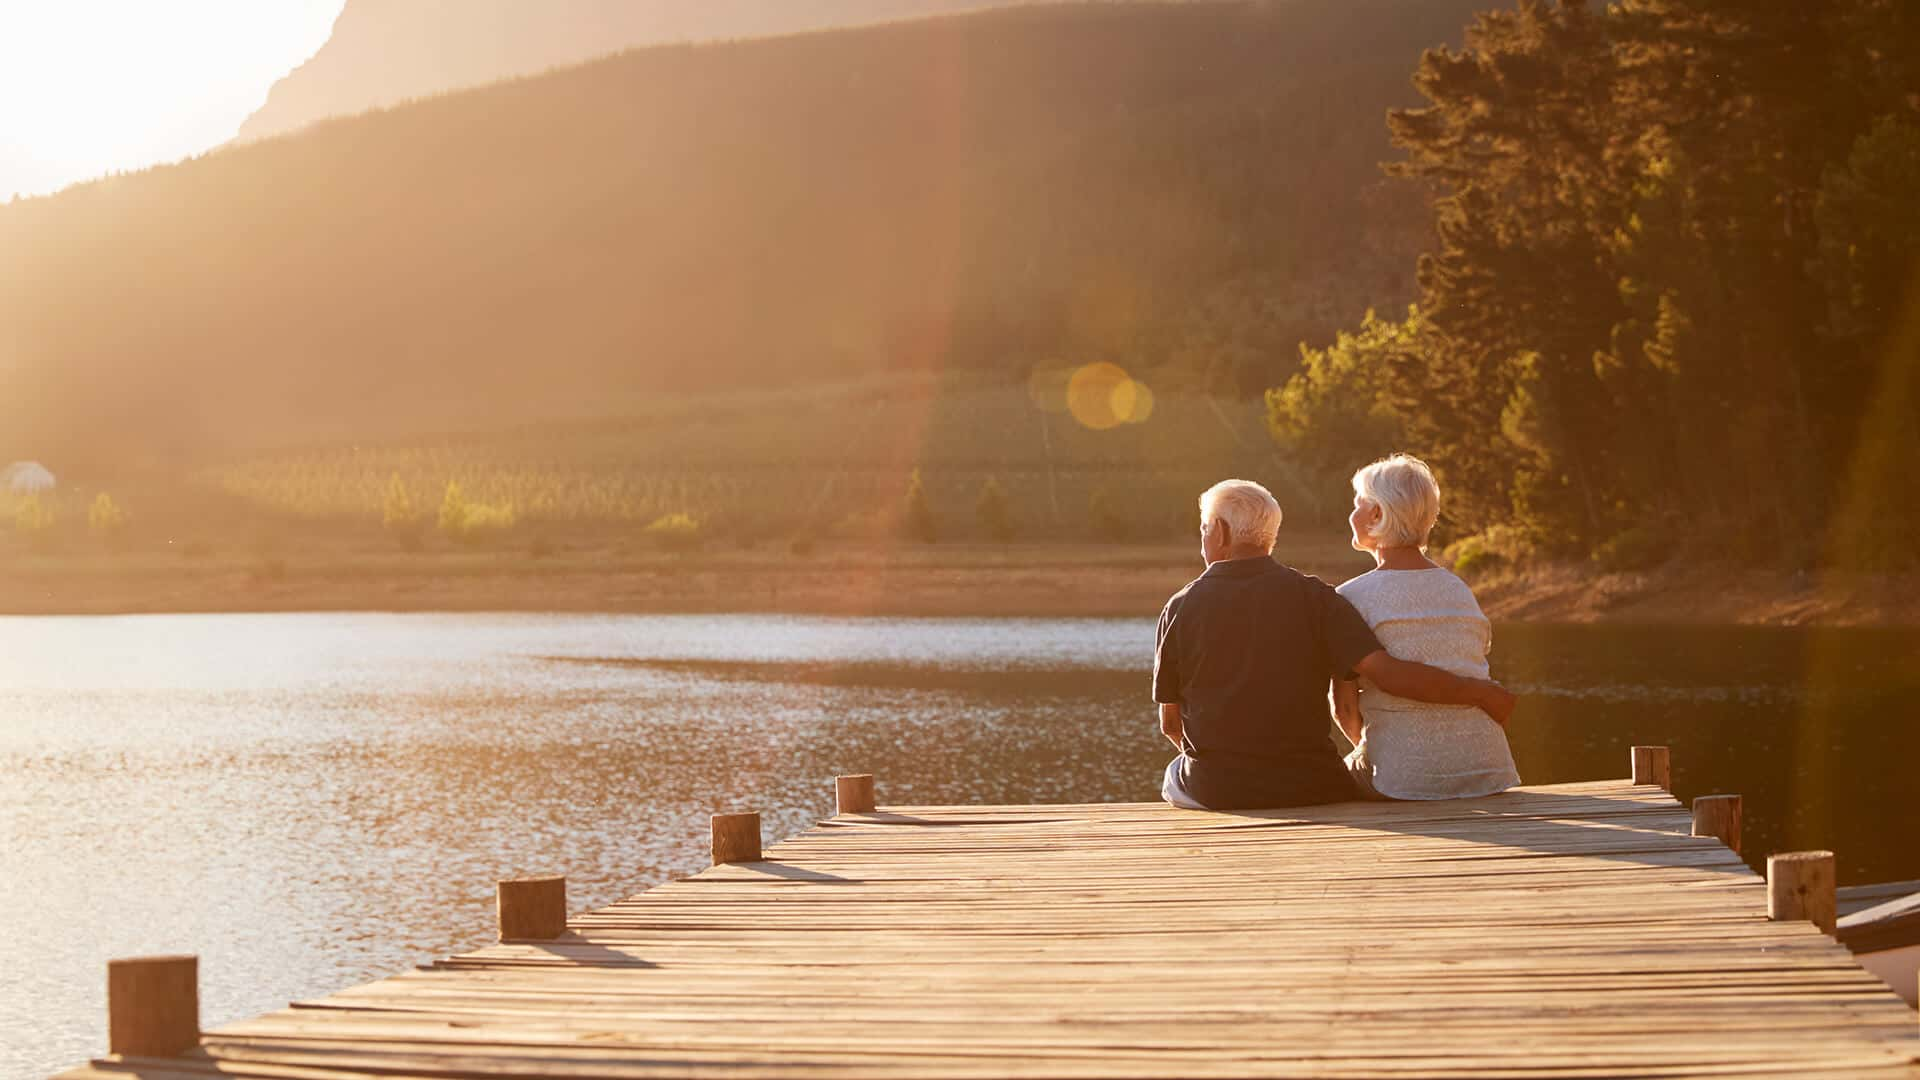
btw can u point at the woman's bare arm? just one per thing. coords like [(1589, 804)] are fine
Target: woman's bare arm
[(1346, 708), (1170, 724)]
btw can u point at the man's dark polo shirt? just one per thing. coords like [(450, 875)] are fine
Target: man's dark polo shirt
[(1247, 650)]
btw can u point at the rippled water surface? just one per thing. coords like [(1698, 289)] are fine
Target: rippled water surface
[(310, 801)]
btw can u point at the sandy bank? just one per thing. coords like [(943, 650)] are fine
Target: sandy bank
[(1706, 596)]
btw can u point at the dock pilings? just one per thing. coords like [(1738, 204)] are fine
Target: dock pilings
[(853, 794), (1801, 885), (1718, 816), (532, 908), (153, 1005), (1653, 765)]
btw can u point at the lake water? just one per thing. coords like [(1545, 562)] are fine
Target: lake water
[(312, 801)]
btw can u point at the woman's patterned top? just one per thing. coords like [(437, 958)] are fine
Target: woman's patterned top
[(1415, 750)]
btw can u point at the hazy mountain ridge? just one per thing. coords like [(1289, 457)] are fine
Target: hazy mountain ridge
[(1186, 189), (383, 52)]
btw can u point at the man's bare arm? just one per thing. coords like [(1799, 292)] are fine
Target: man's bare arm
[(1346, 708), (1170, 724), (1404, 678)]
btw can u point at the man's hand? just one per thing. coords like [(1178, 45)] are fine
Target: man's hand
[(1499, 702), (1171, 725)]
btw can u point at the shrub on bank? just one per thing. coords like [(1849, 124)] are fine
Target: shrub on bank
[(34, 520), (675, 532), (1638, 548), (1498, 547), (471, 523), (484, 521)]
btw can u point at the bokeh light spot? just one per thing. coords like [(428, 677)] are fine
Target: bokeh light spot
[(1091, 395), (1141, 409), (1122, 400)]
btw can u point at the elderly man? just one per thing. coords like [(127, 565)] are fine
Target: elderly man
[(1242, 664)]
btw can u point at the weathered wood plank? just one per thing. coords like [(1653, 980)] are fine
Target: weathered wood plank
[(1567, 931)]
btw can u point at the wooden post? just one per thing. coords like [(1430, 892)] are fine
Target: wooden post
[(1800, 885), (854, 794), (533, 908), (736, 838), (1653, 765), (153, 1005), (1718, 816)]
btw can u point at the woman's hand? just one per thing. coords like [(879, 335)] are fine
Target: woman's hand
[(1346, 709)]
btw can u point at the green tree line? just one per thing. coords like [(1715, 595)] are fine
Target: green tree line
[(1671, 294)]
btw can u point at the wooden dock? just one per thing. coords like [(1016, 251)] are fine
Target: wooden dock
[(1564, 931)]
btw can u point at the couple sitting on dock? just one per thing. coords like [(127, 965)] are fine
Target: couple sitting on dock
[(1247, 651)]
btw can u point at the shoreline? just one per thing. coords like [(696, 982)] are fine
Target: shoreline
[(1687, 595), (1037, 580)]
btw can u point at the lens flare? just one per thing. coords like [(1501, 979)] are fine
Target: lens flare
[(1140, 406), (1099, 396), (1091, 395)]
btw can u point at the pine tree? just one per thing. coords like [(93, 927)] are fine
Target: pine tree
[(1518, 296)]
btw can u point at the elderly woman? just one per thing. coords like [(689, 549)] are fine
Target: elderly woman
[(1409, 749)]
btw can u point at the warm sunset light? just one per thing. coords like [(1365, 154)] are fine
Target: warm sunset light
[(886, 539), (89, 87)]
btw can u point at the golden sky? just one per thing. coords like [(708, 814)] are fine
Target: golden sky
[(89, 87)]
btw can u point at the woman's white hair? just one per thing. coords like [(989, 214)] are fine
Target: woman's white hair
[(1248, 509), (1408, 497)]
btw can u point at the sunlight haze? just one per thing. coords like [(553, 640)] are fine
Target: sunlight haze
[(89, 87), (902, 538)]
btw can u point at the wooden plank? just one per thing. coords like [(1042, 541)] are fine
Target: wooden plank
[(1565, 931)]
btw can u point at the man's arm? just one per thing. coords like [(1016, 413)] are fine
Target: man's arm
[(1170, 724), (1346, 708), (1404, 678)]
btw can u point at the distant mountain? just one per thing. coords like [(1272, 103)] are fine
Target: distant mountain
[(1188, 190), (386, 51)]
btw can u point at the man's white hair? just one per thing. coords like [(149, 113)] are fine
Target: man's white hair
[(1408, 497), (1248, 509)]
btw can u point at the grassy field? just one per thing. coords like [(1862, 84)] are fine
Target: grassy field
[(790, 501), (831, 461), (827, 463)]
